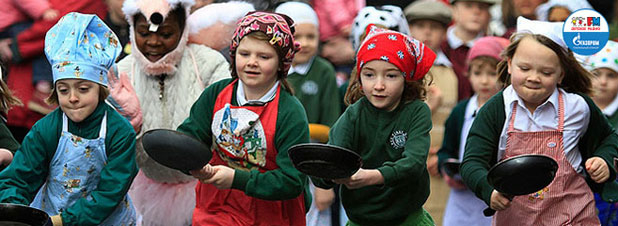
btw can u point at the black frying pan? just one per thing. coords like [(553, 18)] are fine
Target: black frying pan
[(324, 161), (451, 167), (176, 150), (521, 175), (19, 215)]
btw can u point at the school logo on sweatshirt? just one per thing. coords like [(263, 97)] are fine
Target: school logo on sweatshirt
[(309, 87), (398, 139)]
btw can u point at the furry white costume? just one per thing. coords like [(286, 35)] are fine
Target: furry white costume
[(163, 196)]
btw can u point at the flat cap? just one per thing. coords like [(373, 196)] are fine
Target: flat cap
[(428, 10)]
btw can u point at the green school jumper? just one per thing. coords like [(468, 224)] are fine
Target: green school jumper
[(283, 183), (396, 143), (317, 91)]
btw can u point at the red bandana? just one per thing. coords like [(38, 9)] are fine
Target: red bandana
[(411, 56)]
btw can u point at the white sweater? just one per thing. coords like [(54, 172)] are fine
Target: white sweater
[(181, 90)]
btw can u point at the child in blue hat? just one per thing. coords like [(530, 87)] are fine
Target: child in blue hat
[(78, 162)]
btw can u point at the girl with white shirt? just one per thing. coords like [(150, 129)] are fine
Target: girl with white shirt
[(543, 110)]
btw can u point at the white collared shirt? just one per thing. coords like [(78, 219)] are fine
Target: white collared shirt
[(545, 117), (302, 69), (455, 42), (242, 100), (471, 109), (611, 108), (441, 59)]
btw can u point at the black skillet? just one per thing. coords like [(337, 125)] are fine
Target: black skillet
[(176, 150), (324, 161), (521, 175), (18, 215), (451, 167)]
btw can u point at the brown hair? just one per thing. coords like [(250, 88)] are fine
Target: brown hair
[(412, 90), (7, 99), (53, 97), (576, 79), (258, 35), (482, 61)]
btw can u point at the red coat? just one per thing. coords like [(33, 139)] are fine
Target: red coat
[(30, 43)]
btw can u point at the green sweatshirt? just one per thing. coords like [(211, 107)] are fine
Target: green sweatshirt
[(396, 143), (613, 119), (20, 182), (283, 183), (600, 140), (317, 91)]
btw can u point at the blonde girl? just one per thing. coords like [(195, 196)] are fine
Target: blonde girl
[(545, 110)]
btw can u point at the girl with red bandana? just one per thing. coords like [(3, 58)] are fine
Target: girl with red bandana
[(388, 124)]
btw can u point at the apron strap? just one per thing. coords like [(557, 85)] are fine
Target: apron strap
[(103, 130), (513, 113), (65, 125), (560, 112)]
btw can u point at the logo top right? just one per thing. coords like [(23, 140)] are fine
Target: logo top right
[(585, 32)]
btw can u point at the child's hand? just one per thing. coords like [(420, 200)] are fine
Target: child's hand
[(499, 201), (323, 198), (223, 177), (5, 158), (453, 183), (50, 14), (202, 174), (362, 178), (597, 169)]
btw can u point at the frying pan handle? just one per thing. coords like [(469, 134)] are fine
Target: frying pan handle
[(488, 212)]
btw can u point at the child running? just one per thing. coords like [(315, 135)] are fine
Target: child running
[(250, 121), (78, 162), (545, 110), (388, 124)]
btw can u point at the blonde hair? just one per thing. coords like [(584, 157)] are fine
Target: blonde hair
[(576, 79), (7, 99), (260, 36), (53, 97), (412, 90)]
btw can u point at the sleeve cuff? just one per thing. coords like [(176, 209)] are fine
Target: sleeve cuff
[(388, 173), (56, 220), (240, 179)]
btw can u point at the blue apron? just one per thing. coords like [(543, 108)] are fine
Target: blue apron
[(74, 172)]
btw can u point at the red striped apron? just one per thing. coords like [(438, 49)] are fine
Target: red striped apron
[(566, 201)]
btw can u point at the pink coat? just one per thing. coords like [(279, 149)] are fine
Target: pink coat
[(13, 11), (334, 15)]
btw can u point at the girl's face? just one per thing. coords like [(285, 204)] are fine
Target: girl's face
[(307, 35), (382, 84), (77, 97), (256, 63), (483, 78), (535, 72), (605, 84), (154, 45)]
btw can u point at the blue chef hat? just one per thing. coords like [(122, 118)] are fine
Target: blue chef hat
[(81, 46)]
